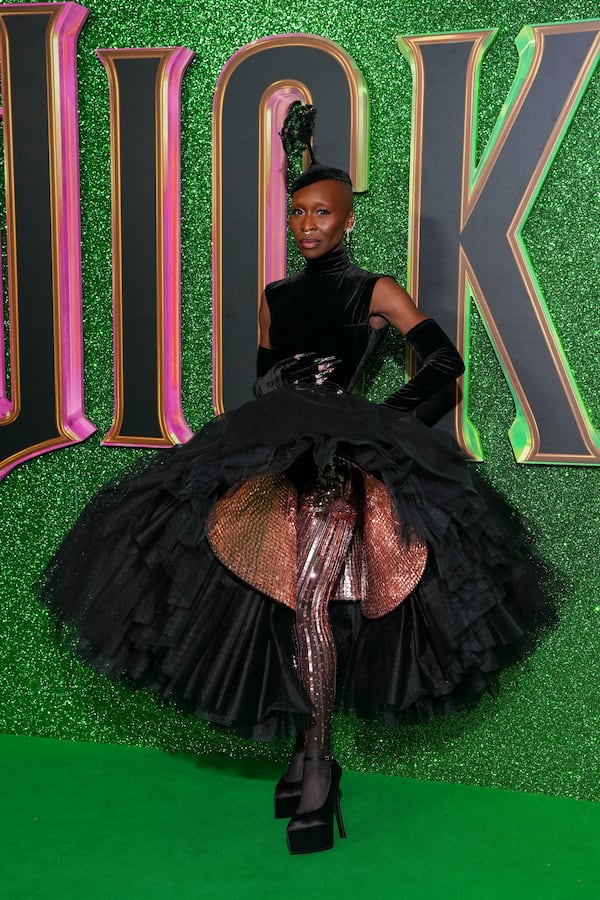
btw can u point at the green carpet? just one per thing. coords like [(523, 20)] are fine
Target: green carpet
[(91, 821)]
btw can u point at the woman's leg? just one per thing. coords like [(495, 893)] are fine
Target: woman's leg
[(295, 768), (325, 528)]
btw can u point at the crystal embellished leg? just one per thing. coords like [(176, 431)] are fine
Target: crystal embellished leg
[(325, 526)]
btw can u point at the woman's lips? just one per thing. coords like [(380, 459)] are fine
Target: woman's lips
[(309, 243)]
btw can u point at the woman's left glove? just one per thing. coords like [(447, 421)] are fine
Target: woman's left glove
[(441, 363)]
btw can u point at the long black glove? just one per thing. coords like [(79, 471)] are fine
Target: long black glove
[(305, 368), (441, 364)]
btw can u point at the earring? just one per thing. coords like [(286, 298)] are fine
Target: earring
[(348, 234)]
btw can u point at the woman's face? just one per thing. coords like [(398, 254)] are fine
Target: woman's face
[(320, 214)]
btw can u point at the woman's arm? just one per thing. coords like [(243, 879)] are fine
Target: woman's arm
[(265, 358), (440, 361), (264, 322), (390, 303)]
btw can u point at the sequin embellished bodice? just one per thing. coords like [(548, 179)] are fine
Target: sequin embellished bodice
[(325, 310)]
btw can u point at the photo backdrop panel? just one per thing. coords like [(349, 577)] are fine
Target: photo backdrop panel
[(538, 730)]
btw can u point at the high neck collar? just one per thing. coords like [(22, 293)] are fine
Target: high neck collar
[(331, 263)]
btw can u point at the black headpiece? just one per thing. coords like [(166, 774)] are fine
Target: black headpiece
[(296, 136)]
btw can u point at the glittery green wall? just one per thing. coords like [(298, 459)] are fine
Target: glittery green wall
[(539, 730)]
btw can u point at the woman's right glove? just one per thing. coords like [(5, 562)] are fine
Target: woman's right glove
[(304, 368)]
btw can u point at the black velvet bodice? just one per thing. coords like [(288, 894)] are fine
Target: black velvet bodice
[(325, 310)]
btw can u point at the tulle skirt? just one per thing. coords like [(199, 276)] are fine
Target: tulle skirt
[(150, 599)]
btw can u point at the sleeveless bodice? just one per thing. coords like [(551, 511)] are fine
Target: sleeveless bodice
[(325, 310)]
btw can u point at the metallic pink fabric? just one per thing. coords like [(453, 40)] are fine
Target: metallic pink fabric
[(325, 530)]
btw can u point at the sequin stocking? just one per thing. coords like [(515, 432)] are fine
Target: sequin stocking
[(325, 527)]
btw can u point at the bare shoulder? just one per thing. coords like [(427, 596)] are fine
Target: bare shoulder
[(391, 303)]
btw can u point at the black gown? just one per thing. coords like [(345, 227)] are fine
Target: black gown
[(180, 576)]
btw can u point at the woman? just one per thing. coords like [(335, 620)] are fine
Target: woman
[(309, 549), (321, 215)]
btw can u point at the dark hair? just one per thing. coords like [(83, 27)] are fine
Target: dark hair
[(318, 172)]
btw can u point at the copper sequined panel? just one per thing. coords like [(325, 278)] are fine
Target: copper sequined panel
[(394, 568), (254, 535)]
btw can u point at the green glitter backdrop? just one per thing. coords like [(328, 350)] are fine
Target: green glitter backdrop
[(539, 730)]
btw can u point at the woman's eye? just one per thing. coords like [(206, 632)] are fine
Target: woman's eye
[(322, 212), (295, 212)]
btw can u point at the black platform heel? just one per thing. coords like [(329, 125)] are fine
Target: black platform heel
[(287, 798), (312, 831)]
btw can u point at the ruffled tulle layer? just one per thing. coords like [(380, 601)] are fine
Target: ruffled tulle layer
[(149, 600)]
